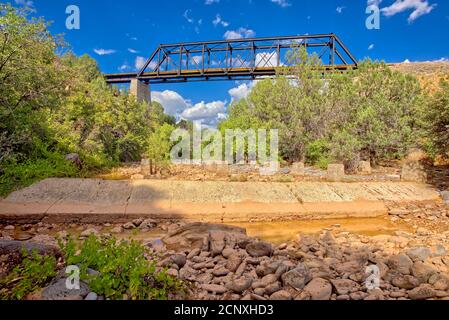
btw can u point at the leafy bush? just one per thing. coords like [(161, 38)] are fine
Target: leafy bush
[(436, 119), (124, 270), (370, 113), (33, 273)]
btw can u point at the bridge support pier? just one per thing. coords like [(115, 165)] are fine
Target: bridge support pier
[(140, 90)]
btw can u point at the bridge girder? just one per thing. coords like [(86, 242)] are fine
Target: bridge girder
[(237, 59)]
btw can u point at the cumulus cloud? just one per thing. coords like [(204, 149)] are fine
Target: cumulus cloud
[(419, 8), (242, 91), (103, 52), (282, 3), (240, 33), (340, 9)]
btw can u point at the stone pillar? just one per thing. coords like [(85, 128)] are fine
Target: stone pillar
[(140, 90)]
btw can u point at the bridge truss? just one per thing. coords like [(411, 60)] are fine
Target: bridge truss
[(239, 59)]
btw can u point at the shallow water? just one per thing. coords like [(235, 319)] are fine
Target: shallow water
[(274, 232), (279, 232)]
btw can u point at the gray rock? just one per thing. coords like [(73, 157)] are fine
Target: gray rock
[(422, 271), (194, 253), (92, 296), (11, 246), (401, 263), (405, 282), (233, 263), (297, 278), (419, 253), (129, 226), (216, 242), (148, 224), (240, 285), (259, 249), (423, 292), (59, 291), (319, 289), (272, 288), (344, 286), (179, 259)]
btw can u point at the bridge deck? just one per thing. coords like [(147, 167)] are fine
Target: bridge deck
[(206, 74)]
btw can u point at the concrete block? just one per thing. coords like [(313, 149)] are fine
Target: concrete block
[(414, 171), (336, 172), (364, 167)]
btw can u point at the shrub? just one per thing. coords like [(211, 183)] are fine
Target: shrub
[(33, 273), (124, 269)]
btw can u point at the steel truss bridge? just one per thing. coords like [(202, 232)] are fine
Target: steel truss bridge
[(239, 59)]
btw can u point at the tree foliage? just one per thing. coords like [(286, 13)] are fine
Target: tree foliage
[(365, 113)]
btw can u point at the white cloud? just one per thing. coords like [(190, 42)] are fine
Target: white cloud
[(209, 2), (371, 47), (103, 52), (282, 3), (242, 91), (218, 20), (340, 9), (132, 50), (419, 7), (175, 105), (241, 33), (124, 67)]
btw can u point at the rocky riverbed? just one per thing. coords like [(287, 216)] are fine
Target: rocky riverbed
[(224, 263)]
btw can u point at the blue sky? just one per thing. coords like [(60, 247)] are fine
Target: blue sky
[(120, 34)]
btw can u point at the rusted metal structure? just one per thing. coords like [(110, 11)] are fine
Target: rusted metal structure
[(239, 59)]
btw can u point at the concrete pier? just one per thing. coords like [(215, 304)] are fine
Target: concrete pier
[(140, 90)]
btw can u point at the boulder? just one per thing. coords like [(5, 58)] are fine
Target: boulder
[(401, 263), (419, 253), (297, 278), (10, 247), (196, 236), (58, 291), (422, 271), (319, 289), (344, 286), (405, 282), (423, 292), (259, 249), (216, 242), (240, 285)]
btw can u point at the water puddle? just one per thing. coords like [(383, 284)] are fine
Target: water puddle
[(280, 232)]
